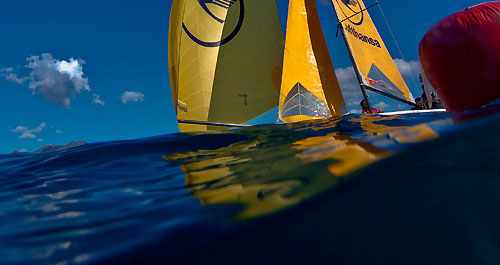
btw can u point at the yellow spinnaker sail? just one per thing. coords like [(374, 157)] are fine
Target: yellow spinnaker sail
[(309, 88), (225, 60), (372, 60)]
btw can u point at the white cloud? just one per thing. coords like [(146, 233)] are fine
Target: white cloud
[(59, 131), (40, 140), (8, 74), (381, 105), (349, 85), (409, 69), (132, 96), (27, 133), (58, 81), (23, 150), (97, 100)]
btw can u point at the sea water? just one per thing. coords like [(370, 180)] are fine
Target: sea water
[(414, 188)]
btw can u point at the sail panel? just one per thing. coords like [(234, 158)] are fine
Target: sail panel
[(225, 60), (302, 102), (372, 59), (248, 75), (309, 86)]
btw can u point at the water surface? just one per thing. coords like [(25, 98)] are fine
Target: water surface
[(404, 189)]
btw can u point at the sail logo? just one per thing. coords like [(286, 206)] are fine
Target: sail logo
[(362, 37), (221, 3), (226, 4), (354, 12), (353, 3)]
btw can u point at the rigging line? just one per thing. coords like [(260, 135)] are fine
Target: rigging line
[(395, 41)]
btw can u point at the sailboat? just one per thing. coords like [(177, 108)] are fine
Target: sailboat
[(229, 62)]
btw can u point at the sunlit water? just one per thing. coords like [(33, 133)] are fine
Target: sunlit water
[(406, 189)]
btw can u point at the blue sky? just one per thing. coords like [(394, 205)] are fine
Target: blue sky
[(111, 56)]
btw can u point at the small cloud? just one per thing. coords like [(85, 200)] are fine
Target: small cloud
[(97, 100), (132, 96), (355, 111), (353, 103), (408, 69), (8, 74), (40, 140), (58, 81), (27, 133), (381, 105), (59, 131), (349, 85)]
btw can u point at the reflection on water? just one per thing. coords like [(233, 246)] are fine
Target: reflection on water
[(167, 197), (275, 171)]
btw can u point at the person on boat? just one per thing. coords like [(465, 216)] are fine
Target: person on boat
[(367, 110), (420, 103), (425, 103), (436, 102)]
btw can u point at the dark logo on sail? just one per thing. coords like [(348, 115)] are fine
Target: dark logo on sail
[(362, 37), (353, 3), (227, 4), (355, 14)]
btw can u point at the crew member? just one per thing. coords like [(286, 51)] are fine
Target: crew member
[(420, 104), (367, 110)]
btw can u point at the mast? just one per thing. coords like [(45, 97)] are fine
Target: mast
[(353, 61)]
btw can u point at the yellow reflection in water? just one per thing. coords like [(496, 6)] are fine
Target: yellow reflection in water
[(350, 155), (265, 180)]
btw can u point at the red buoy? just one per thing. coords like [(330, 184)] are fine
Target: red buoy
[(461, 57)]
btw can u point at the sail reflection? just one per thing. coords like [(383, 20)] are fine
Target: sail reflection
[(263, 179)]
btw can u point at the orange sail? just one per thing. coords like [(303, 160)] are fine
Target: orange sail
[(309, 87), (371, 58)]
